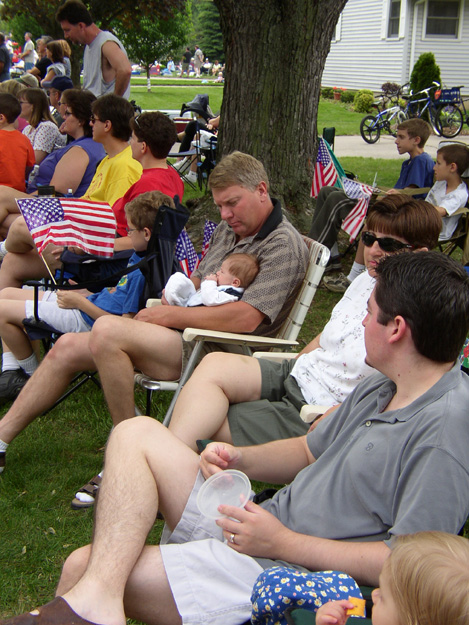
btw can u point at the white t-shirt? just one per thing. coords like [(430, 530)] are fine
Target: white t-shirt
[(328, 374), (451, 202)]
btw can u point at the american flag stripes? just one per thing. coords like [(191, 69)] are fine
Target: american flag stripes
[(325, 172), (209, 229), (186, 254), (89, 225), (354, 220)]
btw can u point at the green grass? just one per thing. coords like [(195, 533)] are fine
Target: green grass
[(388, 170), (171, 94)]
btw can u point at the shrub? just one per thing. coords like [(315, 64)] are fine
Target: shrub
[(390, 88), (425, 72), (348, 96), (363, 101), (328, 93)]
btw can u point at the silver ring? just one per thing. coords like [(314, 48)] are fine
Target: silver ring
[(232, 540)]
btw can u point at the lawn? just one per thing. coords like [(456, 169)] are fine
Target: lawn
[(165, 95)]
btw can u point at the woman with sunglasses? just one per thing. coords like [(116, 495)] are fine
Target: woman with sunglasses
[(41, 130), (69, 169), (324, 373)]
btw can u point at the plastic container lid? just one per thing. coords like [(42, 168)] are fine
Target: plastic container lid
[(230, 487)]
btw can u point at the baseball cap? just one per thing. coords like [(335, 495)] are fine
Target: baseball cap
[(60, 83), (28, 80)]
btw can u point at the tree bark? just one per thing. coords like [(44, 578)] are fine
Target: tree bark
[(275, 53)]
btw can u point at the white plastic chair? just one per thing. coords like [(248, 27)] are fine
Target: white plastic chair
[(285, 338)]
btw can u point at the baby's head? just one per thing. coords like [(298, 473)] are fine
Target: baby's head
[(427, 580), (238, 270)]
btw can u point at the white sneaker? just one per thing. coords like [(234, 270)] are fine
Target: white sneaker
[(191, 176), (180, 164)]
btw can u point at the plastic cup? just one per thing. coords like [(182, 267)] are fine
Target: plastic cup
[(230, 487)]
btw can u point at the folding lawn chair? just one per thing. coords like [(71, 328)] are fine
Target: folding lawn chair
[(285, 339), (157, 265)]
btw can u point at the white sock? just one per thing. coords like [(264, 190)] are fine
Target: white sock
[(30, 364), (3, 446), (356, 270), (9, 362), (3, 250), (334, 250), (84, 496)]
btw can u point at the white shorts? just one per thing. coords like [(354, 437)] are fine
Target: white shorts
[(62, 319), (211, 583)]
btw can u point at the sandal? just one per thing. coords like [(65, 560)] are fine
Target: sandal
[(91, 490), (55, 612)]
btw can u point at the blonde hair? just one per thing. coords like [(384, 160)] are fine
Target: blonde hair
[(11, 86), (239, 169), (245, 267), (428, 573)]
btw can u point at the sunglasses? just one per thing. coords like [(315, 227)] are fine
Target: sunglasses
[(387, 244)]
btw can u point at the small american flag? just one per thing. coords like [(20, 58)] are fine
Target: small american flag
[(89, 225), (186, 254), (354, 220), (325, 173), (209, 229)]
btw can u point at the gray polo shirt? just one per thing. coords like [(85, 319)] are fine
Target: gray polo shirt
[(379, 474)]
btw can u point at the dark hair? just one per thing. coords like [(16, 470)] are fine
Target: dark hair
[(457, 154), (143, 209), (38, 99), (157, 130), (243, 266), (118, 111), (431, 292), (9, 106), (417, 128), (2, 38), (80, 103), (416, 221), (55, 47), (74, 11)]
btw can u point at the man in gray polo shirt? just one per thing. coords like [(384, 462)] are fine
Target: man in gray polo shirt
[(392, 461)]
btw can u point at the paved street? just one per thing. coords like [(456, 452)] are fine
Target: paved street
[(384, 148)]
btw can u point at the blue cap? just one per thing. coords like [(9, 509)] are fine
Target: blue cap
[(60, 83)]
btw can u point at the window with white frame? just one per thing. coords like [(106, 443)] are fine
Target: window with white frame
[(394, 16), (443, 18)]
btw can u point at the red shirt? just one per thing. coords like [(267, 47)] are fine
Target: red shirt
[(16, 153), (157, 179)]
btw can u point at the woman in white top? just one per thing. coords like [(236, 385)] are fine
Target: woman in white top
[(55, 52), (41, 130)]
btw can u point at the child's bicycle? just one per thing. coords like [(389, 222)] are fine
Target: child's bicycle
[(450, 116), (387, 119), (422, 103)]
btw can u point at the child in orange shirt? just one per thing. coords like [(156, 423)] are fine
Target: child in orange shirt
[(16, 152)]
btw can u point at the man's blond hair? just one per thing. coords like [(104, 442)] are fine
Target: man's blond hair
[(238, 169)]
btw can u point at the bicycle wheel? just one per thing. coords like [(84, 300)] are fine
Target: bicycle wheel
[(394, 122), (369, 129), (450, 120)]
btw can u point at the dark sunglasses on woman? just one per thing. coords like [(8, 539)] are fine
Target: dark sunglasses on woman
[(387, 244)]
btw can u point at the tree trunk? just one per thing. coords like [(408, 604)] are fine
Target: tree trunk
[(275, 54)]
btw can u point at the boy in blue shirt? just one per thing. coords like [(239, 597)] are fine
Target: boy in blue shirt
[(74, 311)]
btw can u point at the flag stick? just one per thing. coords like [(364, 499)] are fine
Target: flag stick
[(48, 269)]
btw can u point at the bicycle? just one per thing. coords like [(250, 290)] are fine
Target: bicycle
[(417, 107), (450, 116), (387, 119)]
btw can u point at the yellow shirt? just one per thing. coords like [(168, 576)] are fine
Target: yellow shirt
[(113, 177)]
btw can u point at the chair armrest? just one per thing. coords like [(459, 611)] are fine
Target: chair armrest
[(227, 338), (153, 301), (309, 412), (275, 356)]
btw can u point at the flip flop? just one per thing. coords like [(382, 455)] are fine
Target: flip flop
[(91, 489), (56, 612)]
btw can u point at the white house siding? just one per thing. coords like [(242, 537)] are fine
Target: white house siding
[(451, 55), (362, 58)]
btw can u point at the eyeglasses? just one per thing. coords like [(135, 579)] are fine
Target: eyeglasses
[(130, 230), (387, 244), (24, 102), (94, 119), (136, 118), (67, 113)]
